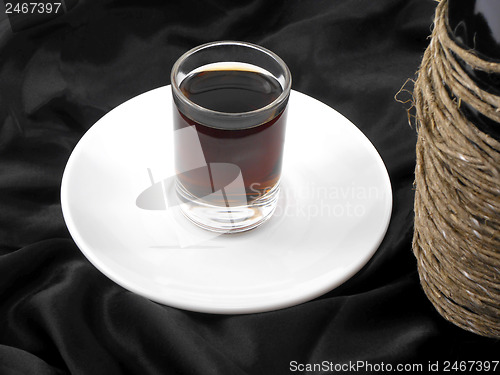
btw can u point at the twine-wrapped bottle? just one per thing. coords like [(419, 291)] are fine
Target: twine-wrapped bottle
[(457, 178)]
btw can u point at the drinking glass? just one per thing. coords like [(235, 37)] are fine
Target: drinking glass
[(230, 105)]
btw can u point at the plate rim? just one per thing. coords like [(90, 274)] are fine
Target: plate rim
[(290, 301)]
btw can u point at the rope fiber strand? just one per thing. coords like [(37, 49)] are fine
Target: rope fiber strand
[(457, 199)]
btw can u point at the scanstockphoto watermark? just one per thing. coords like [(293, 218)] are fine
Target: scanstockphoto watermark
[(321, 209), (354, 366), (311, 200), (352, 192), (313, 191), (457, 366)]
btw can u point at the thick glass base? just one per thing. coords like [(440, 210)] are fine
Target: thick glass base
[(227, 219)]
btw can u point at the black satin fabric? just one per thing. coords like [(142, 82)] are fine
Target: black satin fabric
[(59, 315)]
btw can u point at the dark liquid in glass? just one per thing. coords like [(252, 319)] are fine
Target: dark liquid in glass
[(256, 150)]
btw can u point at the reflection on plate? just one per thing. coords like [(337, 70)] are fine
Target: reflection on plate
[(333, 211)]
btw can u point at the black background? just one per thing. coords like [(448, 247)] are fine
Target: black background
[(59, 315)]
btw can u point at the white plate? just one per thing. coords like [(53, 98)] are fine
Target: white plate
[(333, 212)]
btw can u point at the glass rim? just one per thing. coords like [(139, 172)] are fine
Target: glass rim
[(275, 103)]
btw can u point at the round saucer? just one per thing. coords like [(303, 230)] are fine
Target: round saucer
[(333, 211)]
